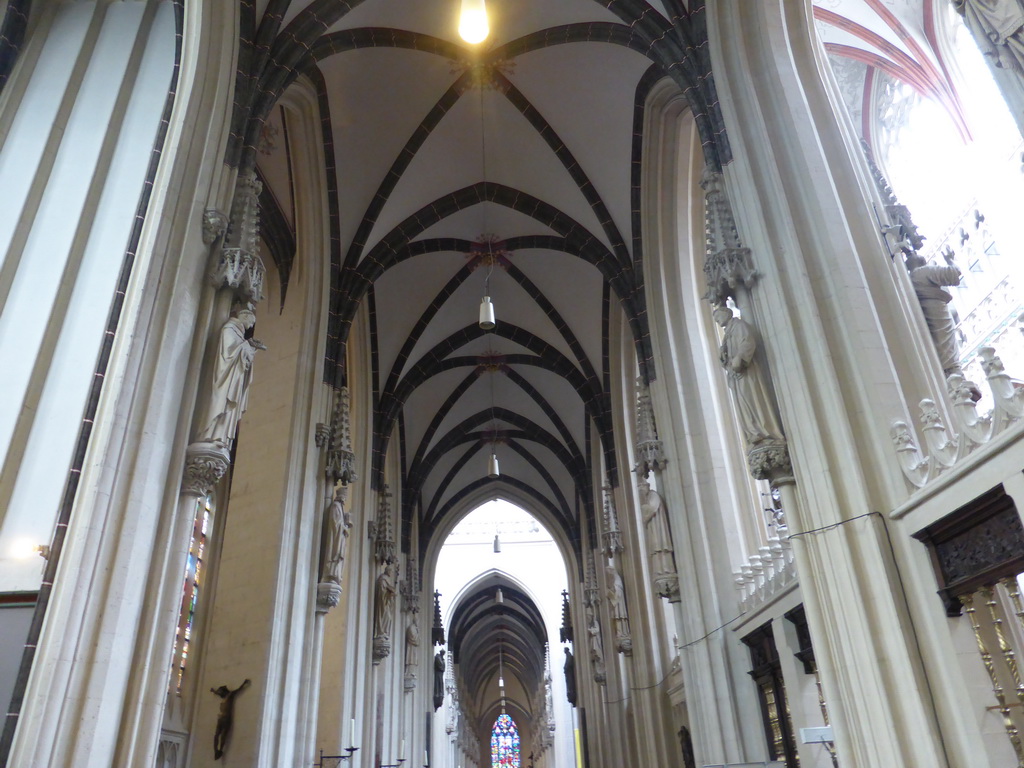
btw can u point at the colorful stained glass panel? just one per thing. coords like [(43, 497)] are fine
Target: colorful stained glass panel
[(504, 743)]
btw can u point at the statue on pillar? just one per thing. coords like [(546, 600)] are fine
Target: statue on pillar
[(570, 677), (439, 679), (383, 609), (232, 375), (596, 646), (767, 454), (930, 281), (659, 541), (337, 523), (750, 391), (412, 645), (617, 605), (998, 28)]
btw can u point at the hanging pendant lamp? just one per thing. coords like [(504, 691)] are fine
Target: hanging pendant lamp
[(487, 314), (492, 466)]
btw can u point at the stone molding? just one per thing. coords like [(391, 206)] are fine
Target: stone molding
[(970, 430)]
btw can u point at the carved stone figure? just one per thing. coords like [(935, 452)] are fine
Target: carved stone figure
[(570, 677), (226, 717), (998, 28), (439, 679), (594, 640), (659, 540), (412, 644), (753, 399), (232, 374), (387, 586), (337, 522), (617, 606), (929, 281), (616, 594)]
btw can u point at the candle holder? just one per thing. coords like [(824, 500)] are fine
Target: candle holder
[(392, 765), (337, 759)]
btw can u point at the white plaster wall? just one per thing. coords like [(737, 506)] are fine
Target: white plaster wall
[(72, 169)]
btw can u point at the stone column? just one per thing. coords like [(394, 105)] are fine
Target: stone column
[(838, 368)]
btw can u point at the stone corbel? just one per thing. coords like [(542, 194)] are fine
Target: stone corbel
[(205, 465), (769, 460), (328, 594)]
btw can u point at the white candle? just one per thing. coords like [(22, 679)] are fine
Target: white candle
[(352, 733), (401, 752), (426, 759)]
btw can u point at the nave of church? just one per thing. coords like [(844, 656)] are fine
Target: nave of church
[(512, 383)]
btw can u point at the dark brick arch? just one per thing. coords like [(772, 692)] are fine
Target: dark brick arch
[(435, 361), (578, 241), (528, 429), (509, 439), (569, 529)]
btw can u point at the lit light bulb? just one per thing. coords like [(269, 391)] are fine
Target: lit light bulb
[(473, 26)]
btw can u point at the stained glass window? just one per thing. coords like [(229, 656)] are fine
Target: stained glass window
[(504, 743), (190, 592)]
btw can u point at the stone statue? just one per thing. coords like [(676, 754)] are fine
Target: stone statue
[(594, 639), (412, 644), (998, 28), (659, 540), (439, 680), (570, 677), (929, 281), (232, 374), (226, 717), (616, 594), (750, 391), (617, 606), (387, 585), (337, 522)]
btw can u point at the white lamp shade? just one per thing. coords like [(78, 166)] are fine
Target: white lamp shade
[(492, 466), (487, 314), (473, 26)]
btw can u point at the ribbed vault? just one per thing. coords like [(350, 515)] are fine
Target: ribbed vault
[(512, 167)]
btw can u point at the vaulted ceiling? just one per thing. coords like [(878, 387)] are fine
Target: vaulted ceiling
[(511, 168)]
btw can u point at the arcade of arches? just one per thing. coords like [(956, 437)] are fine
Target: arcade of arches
[(583, 397)]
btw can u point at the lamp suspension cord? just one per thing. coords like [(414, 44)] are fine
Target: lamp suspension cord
[(483, 162)]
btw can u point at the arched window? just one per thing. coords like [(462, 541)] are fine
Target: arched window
[(504, 743)]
